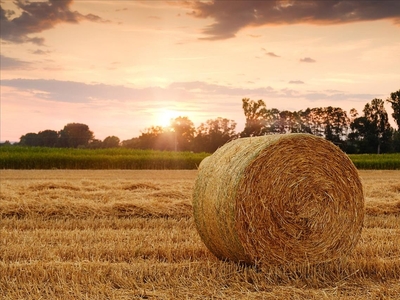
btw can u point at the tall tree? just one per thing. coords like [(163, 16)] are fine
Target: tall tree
[(372, 130), (335, 123), (133, 143), (48, 138), (394, 100), (305, 121), (255, 114), (154, 138), (75, 134), (111, 142), (29, 139), (289, 122), (213, 134), (271, 122), (183, 129)]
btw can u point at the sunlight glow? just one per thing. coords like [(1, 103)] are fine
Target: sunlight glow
[(164, 117)]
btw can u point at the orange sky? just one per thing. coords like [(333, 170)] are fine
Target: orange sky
[(123, 66)]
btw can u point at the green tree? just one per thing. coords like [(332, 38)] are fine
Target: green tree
[(335, 123), (289, 122), (372, 131), (48, 138), (150, 138), (95, 144), (74, 135), (183, 133), (271, 122), (256, 115), (304, 125), (394, 100), (213, 134), (5, 143), (29, 139), (111, 142), (133, 143), (396, 141)]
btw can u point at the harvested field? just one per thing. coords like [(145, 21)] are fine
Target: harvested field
[(128, 234)]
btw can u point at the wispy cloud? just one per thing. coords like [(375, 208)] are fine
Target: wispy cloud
[(230, 17), (272, 54), (204, 88), (40, 52), (9, 63), (307, 60), (338, 96), (78, 92), (179, 92), (37, 17)]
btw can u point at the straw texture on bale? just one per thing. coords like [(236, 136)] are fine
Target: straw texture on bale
[(279, 199)]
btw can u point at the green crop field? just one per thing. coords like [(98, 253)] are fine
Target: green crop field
[(16, 157), (376, 161)]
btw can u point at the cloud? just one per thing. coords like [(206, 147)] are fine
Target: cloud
[(203, 88), (307, 60), (195, 93), (78, 92), (230, 17), (338, 96), (296, 82), (40, 52), (37, 17), (272, 54), (9, 63)]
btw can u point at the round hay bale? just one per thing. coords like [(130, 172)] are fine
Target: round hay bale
[(203, 162), (279, 199)]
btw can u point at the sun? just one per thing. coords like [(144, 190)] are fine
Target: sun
[(165, 116)]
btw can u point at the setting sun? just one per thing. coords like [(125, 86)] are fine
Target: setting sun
[(165, 116)]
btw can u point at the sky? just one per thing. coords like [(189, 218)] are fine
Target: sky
[(121, 67)]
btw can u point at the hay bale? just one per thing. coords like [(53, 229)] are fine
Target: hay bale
[(203, 162), (279, 199)]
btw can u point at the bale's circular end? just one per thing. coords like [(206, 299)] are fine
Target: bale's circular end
[(277, 199)]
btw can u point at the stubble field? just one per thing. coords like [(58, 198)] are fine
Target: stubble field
[(126, 234)]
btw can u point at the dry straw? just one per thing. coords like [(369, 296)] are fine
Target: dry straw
[(279, 199)]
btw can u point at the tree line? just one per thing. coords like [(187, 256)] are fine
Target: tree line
[(365, 132)]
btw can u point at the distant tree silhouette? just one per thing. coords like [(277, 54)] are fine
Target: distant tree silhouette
[(111, 142), (29, 139), (372, 131), (184, 130), (256, 116), (156, 138), (48, 138), (213, 134), (394, 100), (75, 134)]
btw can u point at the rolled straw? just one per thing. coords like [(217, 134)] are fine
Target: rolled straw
[(279, 199)]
